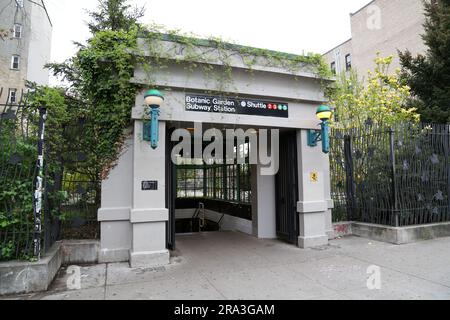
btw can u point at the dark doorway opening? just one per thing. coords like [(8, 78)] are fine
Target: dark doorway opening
[(287, 193), (170, 193), (202, 195)]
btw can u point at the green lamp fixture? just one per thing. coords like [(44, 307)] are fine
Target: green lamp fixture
[(324, 113), (153, 99)]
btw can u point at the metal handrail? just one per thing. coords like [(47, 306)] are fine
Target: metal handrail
[(198, 211)]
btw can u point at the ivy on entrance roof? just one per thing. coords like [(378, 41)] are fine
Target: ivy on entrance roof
[(163, 47), (311, 58)]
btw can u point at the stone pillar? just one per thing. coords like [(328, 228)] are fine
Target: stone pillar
[(254, 182), (114, 214), (149, 213), (263, 201), (313, 171)]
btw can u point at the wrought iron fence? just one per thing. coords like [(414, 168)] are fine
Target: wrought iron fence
[(27, 228), (79, 210), (48, 191), (396, 176), (80, 186), (338, 171)]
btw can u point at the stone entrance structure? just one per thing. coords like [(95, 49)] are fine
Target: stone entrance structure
[(135, 220)]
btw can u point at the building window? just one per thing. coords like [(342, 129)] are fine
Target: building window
[(190, 182), (17, 31), (348, 62), (219, 182), (333, 67), (19, 3), (245, 185), (231, 183), (15, 62), (12, 96)]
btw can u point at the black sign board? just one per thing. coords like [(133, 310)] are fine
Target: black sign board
[(149, 185), (225, 105)]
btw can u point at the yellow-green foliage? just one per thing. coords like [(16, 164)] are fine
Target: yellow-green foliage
[(382, 99)]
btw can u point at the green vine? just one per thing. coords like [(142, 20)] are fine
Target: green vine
[(192, 52), (101, 74)]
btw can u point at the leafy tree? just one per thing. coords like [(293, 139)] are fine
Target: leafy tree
[(382, 100), (105, 67), (364, 112), (101, 94), (114, 15), (429, 75)]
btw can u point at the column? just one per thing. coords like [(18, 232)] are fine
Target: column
[(263, 201), (149, 213), (313, 170), (114, 214), (264, 208)]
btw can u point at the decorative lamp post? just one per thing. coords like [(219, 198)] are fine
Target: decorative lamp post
[(153, 99), (324, 113)]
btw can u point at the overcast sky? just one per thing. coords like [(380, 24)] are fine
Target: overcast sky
[(294, 26)]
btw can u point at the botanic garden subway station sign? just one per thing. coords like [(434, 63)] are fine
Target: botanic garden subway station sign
[(236, 106)]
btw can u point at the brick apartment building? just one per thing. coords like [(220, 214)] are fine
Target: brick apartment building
[(383, 26), (25, 43)]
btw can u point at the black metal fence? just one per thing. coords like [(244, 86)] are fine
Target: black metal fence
[(80, 186), (27, 228), (45, 195), (396, 176), (79, 210)]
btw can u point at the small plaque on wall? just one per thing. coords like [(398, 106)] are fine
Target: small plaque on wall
[(149, 185)]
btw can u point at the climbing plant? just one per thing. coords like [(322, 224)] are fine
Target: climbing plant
[(163, 45), (100, 75), (99, 97)]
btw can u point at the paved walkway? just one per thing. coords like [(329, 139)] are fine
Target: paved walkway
[(234, 266)]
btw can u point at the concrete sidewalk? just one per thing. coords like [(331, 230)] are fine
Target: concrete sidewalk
[(230, 265)]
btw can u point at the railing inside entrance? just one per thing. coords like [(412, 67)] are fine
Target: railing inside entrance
[(200, 216), (222, 188)]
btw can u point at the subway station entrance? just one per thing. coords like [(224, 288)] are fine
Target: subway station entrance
[(149, 198), (210, 196)]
